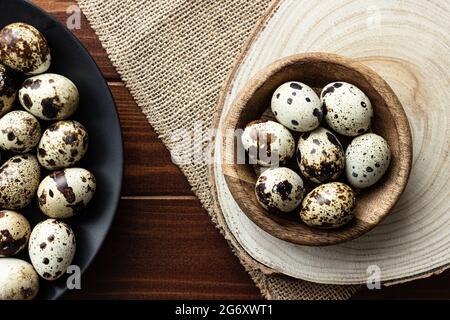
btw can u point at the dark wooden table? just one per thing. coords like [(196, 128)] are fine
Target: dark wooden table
[(162, 244)]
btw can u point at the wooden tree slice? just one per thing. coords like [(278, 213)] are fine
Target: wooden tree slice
[(407, 43)]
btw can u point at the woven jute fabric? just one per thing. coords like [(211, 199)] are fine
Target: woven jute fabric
[(174, 57)]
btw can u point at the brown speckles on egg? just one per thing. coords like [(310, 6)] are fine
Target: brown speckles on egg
[(42, 198), (50, 108), (328, 206), (63, 144), (296, 101), (326, 162), (69, 191), (8, 89), (14, 233), (61, 184), (49, 96), (367, 159), (279, 189), (18, 280), (295, 85), (332, 138), (24, 49), (19, 131), (283, 188), (52, 260), (345, 100), (19, 179)]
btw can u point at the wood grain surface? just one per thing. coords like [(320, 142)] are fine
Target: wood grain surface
[(162, 243)]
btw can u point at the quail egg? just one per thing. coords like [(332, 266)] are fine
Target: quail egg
[(320, 155), (65, 193), (19, 131), (14, 232), (267, 143), (297, 106), (24, 49), (328, 206), (8, 90), (18, 280), (49, 96), (19, 180), (279, 189), (367, 159), (52, 248), (347, 109), (62, 145)]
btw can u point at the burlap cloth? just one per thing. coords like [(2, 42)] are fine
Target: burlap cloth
[(174, 57)]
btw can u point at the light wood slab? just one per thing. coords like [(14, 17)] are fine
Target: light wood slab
[(407, 43)]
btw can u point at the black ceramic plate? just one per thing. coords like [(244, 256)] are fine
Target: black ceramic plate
[(98, 113)]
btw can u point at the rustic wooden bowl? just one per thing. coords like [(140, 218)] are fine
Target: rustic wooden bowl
[(316, 70)]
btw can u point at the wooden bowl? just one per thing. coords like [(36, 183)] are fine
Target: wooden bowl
[(316, 70)]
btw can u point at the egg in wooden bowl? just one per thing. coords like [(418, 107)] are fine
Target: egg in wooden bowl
[(353, 149)]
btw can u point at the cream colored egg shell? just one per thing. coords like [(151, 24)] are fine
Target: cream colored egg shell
[(62, 145), (8, 90), (14, 232), (267, 143), (296, 106), (19, 131), (65, 193), (279, 189), (52, 248), (49, 96), (19, 180), (367, 159), (24, 49), (320, 155), (18, 280), (347, 109), (328, 206)]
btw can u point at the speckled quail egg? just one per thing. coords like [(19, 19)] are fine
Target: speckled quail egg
[(8, 90), (14, 232), (279, 189), (320, 155), (64, 193), (19, 131), (19, 180), (24, 49), (52, 248), (297, 106), (49, 96), (18, 280), (347, 109), (267, 142), (328, 206), (62, 145), (367, 159)]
